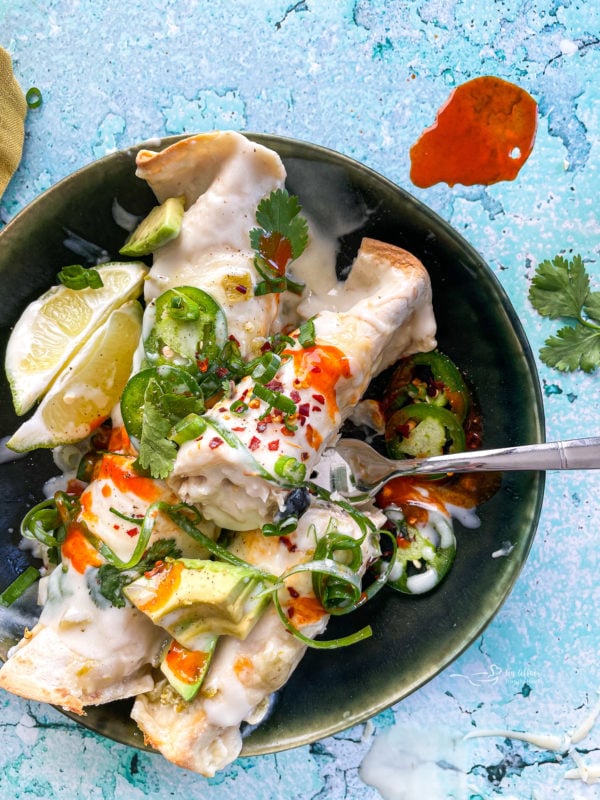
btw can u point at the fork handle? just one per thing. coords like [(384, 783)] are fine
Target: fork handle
[(570, 454)]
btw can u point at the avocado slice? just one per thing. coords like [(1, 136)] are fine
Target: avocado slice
[(161, 225), (192, 597), (186, 669)]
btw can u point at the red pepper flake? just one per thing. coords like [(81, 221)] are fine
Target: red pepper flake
[(116, 527), (75, 486), (221, 372), (244, 394), (317, 408), (274, 386), (266, 347), (202, 364), (254, 443), (286, 432), (304, 455), (316, 368), (274, 445), (132, 532), (238, 430), (232, 338), (241, 289), (290, 612), (319, 398), (261, 426), (160, 566), (222, 409), (288, 543), (293, 592), (215, 442), (304, 409), (302, 421), (295, 396)]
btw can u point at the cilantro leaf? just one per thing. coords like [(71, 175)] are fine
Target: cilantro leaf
[(592, 306), (112, 580), (560, 288), (280, 213), (573, 348), (156, 453)]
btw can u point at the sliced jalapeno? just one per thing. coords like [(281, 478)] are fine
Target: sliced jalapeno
[(421, 430), (181, 396), (429, 378), (424, 554), (189, 327)]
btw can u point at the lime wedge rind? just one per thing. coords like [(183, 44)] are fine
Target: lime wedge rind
[(54, 328), (85, 393)]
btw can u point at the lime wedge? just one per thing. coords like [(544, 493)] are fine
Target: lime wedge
[(85, 393), (53, 329)]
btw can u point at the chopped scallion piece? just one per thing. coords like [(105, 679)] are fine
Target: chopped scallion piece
[(188, 428), (239, 408), (266, 368), (290, 469), (19, 586), (306, 333), (275, 399), (33, 98), (77, 277)]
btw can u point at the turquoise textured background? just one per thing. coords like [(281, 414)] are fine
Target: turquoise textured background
[(364, 78)]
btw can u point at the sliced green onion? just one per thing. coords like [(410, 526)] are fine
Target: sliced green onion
[(19, 586), (283, 528), (307, 333), (77, 277), (183, 307), (294, 286), (126, 517), (43, 523), (140, 546), (33, 98), (267, 367), (333, 569), (275, 399), (187, 526), (290, 469), (239, 408), (188, 428)]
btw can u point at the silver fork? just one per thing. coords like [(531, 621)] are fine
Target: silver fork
[(370, 470)]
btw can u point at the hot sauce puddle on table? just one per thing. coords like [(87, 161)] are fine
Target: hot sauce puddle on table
[(483, 134), (193, 536)]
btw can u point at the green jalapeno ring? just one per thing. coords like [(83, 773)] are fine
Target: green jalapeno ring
[(188, 325), (421, 563), (405, 386), (437, 431)]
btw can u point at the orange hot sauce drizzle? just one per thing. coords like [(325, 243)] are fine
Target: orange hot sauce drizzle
[(483, 134), (320, 367), (188, 665), (79, 551), (118, 469)]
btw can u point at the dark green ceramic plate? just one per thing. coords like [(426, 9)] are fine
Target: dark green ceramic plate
[(414, 637)]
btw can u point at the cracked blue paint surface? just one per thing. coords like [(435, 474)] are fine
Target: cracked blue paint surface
[(364, 77)]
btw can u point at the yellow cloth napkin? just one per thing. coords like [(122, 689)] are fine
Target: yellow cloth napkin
[(13, 109)]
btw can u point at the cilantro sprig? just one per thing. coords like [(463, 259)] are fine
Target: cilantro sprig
[(561, 289), (281, 238)]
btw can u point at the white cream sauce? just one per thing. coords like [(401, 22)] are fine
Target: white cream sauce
[(410, 763)]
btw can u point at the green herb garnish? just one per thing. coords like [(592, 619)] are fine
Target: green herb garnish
[(112, 580), (19, 586), (77, 277), (561, 290), (281, 238)]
